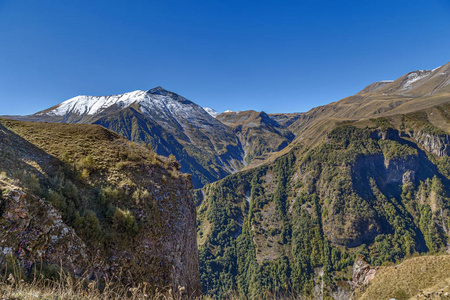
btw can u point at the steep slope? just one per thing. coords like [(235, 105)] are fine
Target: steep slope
[(372, 186), (259, 134), (170, 123), (85, 198)]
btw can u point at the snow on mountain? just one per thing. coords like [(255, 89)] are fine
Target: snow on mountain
[(171, 111), (211, 111), (157, 102), (436, 68), (412, 77), (91, 105)]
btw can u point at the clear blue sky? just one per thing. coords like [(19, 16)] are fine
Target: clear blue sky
[(276, 56)]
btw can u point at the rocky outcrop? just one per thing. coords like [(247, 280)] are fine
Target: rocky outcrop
[(164, 254), (33, 232), (436, 144), (400, 169), (387, 134), (363, 273)]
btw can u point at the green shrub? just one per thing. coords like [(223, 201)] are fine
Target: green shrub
[(92, 226), (124, 221), (57, 200)]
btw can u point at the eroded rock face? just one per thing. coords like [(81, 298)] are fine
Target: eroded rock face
[(33, 231), (164, 254), (363, 273), (173, 244), (436, 144)]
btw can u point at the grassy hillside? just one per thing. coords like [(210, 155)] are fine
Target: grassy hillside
[(426, 277), (380, 99), (113, 203)]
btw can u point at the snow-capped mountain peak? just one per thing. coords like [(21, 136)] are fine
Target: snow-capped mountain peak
[(91, 105), (211, 111), (164, 107), (156, 98)]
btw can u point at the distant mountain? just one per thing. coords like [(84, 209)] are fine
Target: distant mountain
[(259, 133), (285, 119), (169, 123), (413, 91), (416, 84)]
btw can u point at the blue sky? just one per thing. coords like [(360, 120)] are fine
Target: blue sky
[(276, 56)]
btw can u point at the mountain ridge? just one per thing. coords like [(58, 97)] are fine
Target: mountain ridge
[(159, 118), (206, 147)]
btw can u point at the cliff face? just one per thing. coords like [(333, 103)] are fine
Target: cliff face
[(363, 273), (87, 199), (438, 144)]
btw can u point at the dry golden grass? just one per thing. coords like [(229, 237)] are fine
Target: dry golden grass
[(429, 274), (75, 142), (35, 291), (12, 287)]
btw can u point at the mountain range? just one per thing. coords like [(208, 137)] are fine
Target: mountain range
[(289, 204), (367, 176), (205, 147)]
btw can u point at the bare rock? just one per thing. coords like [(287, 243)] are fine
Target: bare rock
[(363, 273)]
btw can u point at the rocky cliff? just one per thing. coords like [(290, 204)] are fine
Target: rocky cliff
[(434, 143), (86, 199), (362, 274), (34, 232)]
